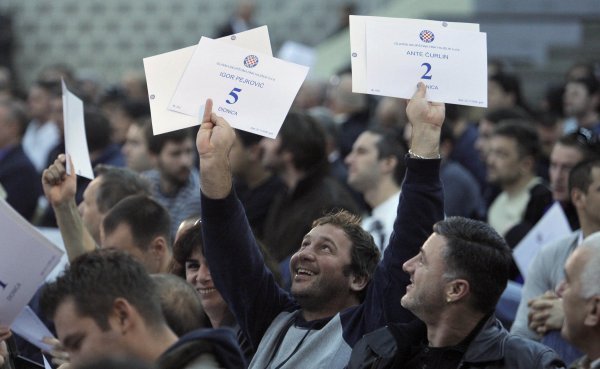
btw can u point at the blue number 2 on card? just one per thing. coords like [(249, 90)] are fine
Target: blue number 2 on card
[(426, 75), (234, 95)]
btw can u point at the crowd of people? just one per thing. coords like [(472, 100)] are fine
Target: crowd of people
[(371, 233)]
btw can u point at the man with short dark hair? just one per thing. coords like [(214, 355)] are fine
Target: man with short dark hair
[(80, 225), (135, 148), (174, 182), (511, 164), (298, 156), (139, 226), (456, 280), (376, 170), (568, 151), (106, 304), (255, 185), (581, 101), (180, 304), (338, 292), (504, 92)]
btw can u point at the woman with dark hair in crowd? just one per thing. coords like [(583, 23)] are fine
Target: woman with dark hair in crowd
[(189, 263)]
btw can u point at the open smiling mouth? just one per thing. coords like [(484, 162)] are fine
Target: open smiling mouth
[(204, 291), (304, 272)]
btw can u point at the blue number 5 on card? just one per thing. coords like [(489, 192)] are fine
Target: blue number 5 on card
[(426, 75), (234, 95)]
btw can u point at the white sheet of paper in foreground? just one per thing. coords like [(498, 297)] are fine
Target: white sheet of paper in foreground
[(252, 91), (452, 63), (46, 363), (26, 258), (358, 42), (75, 139), (164, 71), (29, 326), (552, 226)]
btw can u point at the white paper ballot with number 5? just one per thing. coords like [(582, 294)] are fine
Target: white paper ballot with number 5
[(26, 258), (252, 91), (164, 71), (452, 63)]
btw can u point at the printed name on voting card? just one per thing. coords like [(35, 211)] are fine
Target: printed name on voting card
[(164, 71), (452, 63), (26, 258), (358, 27), (252, 91)]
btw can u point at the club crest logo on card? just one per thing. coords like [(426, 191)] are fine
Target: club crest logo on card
[(251, 61), (426, 36)]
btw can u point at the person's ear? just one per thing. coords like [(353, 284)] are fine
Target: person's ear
[(456, 290), (527, 164), (577, 197), (388, 164), (592, 317), (358, 283), (123, 315), (159, 248)]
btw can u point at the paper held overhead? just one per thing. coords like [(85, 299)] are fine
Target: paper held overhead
[(75, 138), (164, 71), (251, 90), (389, 56)]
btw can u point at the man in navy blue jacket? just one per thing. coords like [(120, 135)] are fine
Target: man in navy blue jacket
[(338, 292), (18, 176)]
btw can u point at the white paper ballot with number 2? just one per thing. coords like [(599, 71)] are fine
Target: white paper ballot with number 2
[(358, 40), (452, 63), (252, 91)]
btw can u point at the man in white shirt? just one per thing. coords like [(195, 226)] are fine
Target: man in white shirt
[(376, 169), (42, 134)]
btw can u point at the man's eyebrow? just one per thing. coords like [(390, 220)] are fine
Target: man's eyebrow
[(323, 238), (330, 240)]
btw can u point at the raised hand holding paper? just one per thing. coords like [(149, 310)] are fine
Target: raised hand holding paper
[(75, 138), (253, 91), (164, 71)]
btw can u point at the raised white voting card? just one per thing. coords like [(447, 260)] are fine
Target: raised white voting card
[(252, 91), (29, 326), (552, 226), (164, 71), (452, 63), (358, 41), (75, 139), (26, 258)]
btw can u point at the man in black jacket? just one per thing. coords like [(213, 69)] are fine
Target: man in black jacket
[(456, 281)]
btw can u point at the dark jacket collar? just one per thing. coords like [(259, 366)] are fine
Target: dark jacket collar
[(488, 344)]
